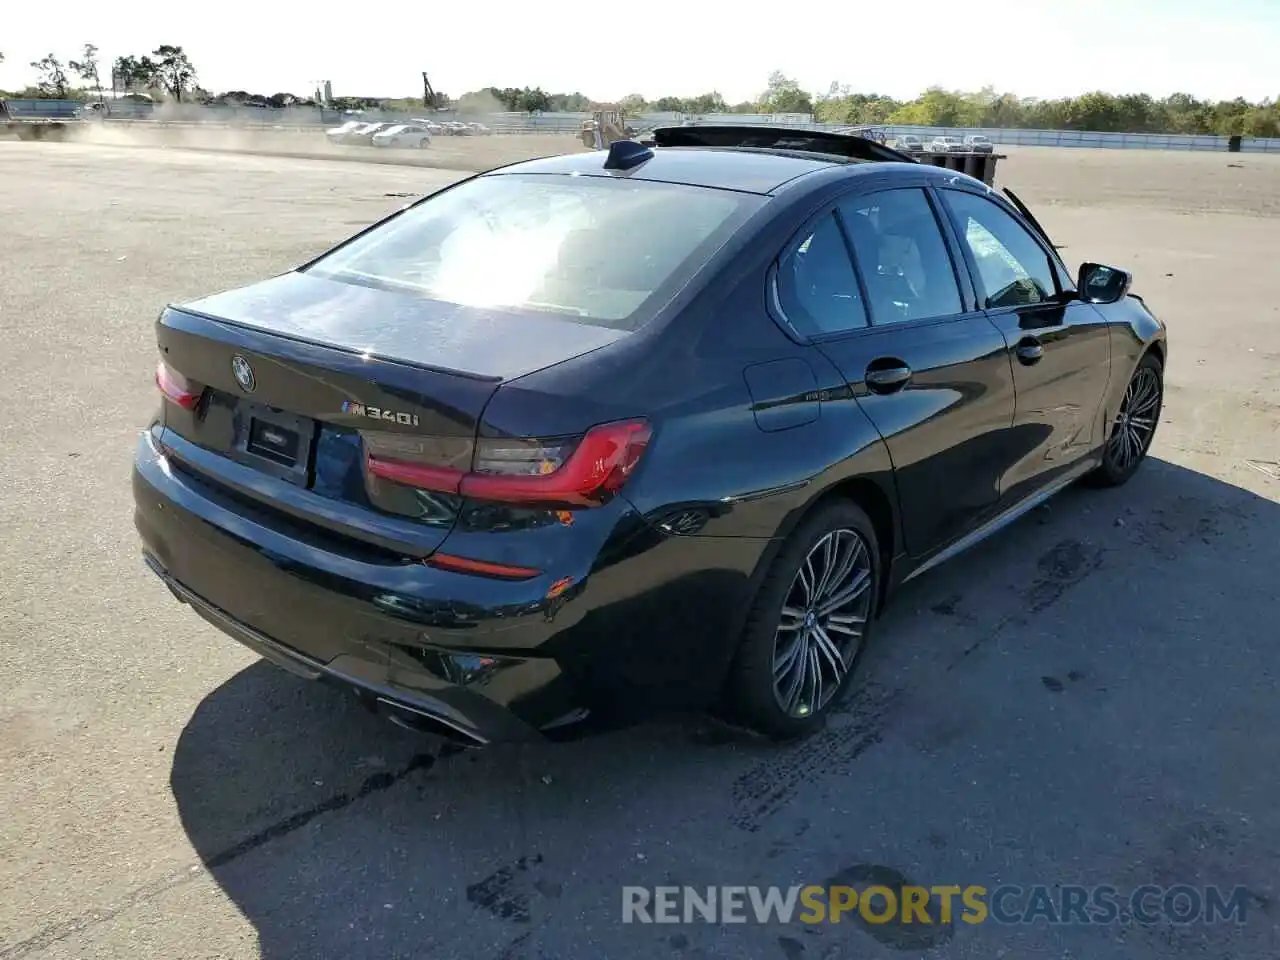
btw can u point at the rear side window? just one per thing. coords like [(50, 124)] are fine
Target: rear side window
[(601, 250), (903, 256), (817, 287)]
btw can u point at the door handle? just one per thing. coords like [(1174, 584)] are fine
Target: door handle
[(1030, 351), (888, 379)]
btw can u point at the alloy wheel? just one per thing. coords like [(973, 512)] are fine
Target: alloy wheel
[(822, 623), (1135, 424)]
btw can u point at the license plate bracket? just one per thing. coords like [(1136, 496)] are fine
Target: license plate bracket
[(274, 442)]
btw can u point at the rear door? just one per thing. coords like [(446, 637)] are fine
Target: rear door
[(873, 283), (1059, 347)]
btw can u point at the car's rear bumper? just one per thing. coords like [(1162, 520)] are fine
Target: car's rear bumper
[(650, 628), (461, 716)]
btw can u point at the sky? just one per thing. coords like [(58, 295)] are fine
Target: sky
[(1215, 49)]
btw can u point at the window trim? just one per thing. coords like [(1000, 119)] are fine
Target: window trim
[(1052, 260), (956, 247), (940, 222), (872, 185), (805, 230)]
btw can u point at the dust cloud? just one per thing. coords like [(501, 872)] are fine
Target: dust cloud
[(458, 153)]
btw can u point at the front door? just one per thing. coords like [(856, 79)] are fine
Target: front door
[(929, 370), (1059, 347)]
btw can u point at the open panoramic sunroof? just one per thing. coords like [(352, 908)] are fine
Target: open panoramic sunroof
[(779, 138)]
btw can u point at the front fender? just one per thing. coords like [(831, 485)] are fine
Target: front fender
[(1135, 330)]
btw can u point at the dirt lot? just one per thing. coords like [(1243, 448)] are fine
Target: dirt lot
[(1089, 698)]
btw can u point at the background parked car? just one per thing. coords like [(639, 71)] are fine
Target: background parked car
[(340, 134), (909, 143), (947, 145), (977, 143), (480, 130), (403, 135), (433, 126), (363, 136)]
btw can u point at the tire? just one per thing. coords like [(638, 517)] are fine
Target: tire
[(1134, 426), (795, 706), (423, 144)]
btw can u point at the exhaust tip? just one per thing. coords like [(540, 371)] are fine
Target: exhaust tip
[(420, 721)]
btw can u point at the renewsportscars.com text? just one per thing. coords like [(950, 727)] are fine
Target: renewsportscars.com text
[(949, 903)]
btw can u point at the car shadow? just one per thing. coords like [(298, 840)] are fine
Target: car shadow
[(337, 834)]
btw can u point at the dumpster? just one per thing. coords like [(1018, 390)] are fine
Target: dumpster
[(981, 166)]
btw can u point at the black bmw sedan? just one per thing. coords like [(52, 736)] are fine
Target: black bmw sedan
[(590, 436)]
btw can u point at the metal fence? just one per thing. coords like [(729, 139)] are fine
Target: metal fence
[(1036, 138), (1085, 138), (570, 123), (44, 109)]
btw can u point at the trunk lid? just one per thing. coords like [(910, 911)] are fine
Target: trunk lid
[(298, 375), (406, 328)]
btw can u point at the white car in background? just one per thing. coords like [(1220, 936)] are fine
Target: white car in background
[(414, 135), (977, 143), (433, 127), (947, 145), (909, 143), (363, 135), (340, 134)]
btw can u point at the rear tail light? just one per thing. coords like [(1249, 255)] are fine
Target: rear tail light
[(573, 472), (185, 393)]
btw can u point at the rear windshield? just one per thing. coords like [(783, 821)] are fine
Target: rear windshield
[(604, 251)]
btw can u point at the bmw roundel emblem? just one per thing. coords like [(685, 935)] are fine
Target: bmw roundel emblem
[(243, 373)]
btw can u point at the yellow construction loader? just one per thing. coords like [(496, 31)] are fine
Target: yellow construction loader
[(604, 128)]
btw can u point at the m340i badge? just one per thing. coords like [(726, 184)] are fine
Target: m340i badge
[(379, 413)]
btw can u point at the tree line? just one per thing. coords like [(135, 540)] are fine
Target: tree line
[(1179, 113), (167, 73)]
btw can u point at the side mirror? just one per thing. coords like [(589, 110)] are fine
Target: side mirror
[(1098, 283)]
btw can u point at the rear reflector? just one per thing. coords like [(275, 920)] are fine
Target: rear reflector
[(560, 472), (483, 568), (176, 387)]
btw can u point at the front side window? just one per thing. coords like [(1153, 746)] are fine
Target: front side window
[(817, 287), (596, 249), (1012, 267), (903, 256)]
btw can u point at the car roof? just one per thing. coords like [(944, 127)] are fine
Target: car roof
[(748, 171), (726, 168)]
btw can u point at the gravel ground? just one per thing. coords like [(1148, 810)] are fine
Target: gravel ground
[(1089, 698)]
